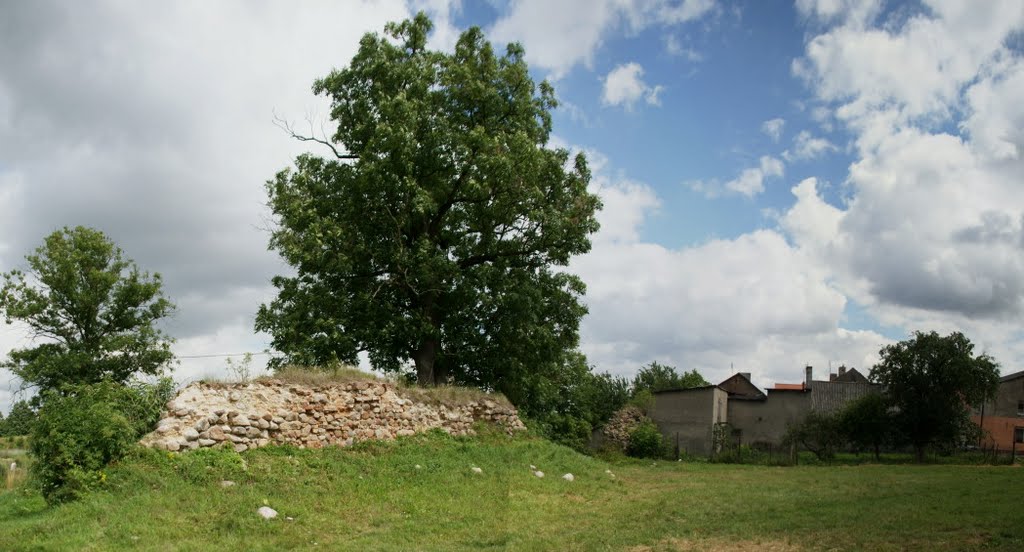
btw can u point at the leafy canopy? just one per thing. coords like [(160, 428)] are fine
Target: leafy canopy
[(435, 231), (19, 420), (933, 381), (659, 377), (92, 310)]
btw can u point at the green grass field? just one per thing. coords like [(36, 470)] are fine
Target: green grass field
[(373, 497)]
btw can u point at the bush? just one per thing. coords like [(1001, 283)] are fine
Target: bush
[(83, 428), (646, 441)]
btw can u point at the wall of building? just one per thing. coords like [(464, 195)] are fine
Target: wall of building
[(273, 412), (767, 421), (999, 431), (1002, 415), (688, 417), (1007, 399)]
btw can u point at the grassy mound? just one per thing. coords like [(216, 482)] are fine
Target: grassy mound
[(373, 497)]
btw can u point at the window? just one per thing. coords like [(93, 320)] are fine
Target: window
[(1018, 435), (1020, 408)]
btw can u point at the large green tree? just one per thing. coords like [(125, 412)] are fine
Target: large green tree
[(932, 382), (91, 311), (436, 231)]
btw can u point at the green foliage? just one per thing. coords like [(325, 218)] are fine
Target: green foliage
[(642, 399), (867, 423), (94, 307), (932, 382), (435, 232), (82, 428), (819, 433), (19, 420), (659, 377), (569, 403), (645, 441)]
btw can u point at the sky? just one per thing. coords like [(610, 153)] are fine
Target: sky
[(784, 183)]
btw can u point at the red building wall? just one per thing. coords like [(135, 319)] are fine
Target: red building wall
[(998, 431)]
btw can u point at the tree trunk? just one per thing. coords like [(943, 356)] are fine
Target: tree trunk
[(425, 359), (919, 453), (878, 455)]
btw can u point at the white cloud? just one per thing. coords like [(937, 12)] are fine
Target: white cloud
[(749, 183), (675, 48), (560, 35), (934, 224), (853, 11), (806, 146), (445, 34), (624, 86), (755, 301), (165, 139), (916, 68), (932, 233), (773, 128)]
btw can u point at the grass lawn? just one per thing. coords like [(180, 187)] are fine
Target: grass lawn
[(372, 497)]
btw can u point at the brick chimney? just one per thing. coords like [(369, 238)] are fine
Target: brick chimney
[(807, 377), (842, 369)]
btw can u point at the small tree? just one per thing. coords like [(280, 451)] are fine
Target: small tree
[(868, 422), (932, 381), (819, 433), (568, 401), (93, 309)]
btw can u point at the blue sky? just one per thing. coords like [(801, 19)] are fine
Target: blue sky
[(785, 183)]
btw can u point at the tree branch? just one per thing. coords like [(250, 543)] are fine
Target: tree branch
[(287, 127)]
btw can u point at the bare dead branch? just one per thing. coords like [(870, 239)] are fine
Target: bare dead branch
[(286, 126)]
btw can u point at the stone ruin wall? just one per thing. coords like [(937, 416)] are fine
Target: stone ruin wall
[(273, 412)]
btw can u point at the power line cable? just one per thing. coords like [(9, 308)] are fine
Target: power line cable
[(220, 354)]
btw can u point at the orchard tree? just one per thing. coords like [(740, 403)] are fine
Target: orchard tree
[(438, 229), (91, 310), (933, 381), (868, 422)]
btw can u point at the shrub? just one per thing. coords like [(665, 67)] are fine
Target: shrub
[(646, 441), (82, 428)]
